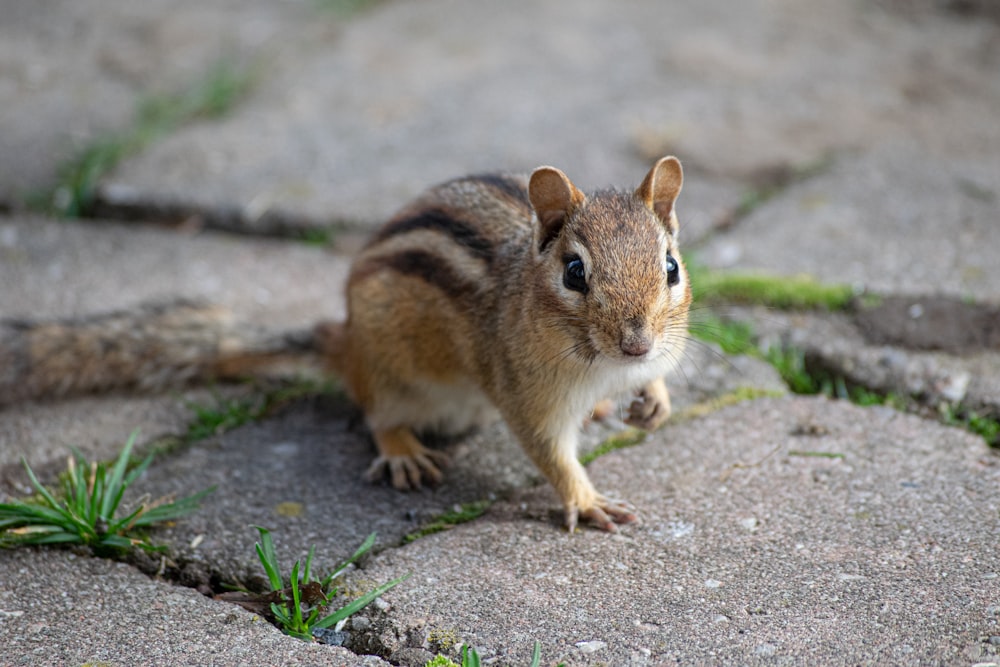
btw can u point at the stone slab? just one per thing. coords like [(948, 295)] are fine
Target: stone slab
[(834, 341), (895, 219), (61, 609), (43, 432), (407, 95), (58, 269), (778, 531), (70, 74)]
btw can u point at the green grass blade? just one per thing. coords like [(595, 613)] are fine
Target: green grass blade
[(174, 510), (42, 536), (536, 655), (121, 525), (296, 599), (114, 488), (93, 502), (57, 512), (75, 482), (53, 503), (138, 470), (309, 558), (470, 657), (22, 514), (280, 612), (357, 605), (365, 546), (265, 552), (118, 541)]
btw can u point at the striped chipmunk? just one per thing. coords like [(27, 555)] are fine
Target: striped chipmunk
[(520, 298)]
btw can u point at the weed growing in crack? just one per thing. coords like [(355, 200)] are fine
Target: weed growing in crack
[(225, 414), (87, 513), (986, 427), (156, 116), (737, 337), (299, 607), (470, 658)]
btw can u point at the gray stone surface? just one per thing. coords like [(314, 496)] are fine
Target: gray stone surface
[(754, 549), (54, 269), (897, 219), (775, 531), (71, 73)]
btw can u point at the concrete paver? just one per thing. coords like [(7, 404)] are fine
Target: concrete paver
[(778, 531), (70, 74), (60, 269), (895, 220)]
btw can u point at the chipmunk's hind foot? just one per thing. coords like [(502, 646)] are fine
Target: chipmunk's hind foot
[(408, 463)]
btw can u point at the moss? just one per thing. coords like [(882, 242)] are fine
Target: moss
[(447, 520), (627, 438), (740, 395), (441, 661), (443, 639), (781, 292)]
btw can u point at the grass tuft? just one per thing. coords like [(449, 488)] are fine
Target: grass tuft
[(298, 606), (87, 512), (470, 658), (222, 414)]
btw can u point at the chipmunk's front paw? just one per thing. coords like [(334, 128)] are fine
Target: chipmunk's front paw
[(407, 462), (650, 408), (603, 514)]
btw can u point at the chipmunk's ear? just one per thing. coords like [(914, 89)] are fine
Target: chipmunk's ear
[(660, 188), (554, 198)]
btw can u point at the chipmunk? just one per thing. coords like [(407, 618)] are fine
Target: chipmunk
[(521, 298)]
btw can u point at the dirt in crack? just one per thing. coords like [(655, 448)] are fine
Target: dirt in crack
[(931, 323)]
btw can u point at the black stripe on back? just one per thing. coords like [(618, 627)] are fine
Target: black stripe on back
[(431, 269), (436, 219), (509, 187)]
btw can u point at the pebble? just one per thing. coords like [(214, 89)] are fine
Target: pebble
[(591, 646)]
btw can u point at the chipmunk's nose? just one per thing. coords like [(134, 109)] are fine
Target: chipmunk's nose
[(637, 339)]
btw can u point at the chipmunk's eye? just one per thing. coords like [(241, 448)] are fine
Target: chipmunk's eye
[(574, 275), (673, 271)]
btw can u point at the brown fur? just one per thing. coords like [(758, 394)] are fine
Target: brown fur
[(458, 311)]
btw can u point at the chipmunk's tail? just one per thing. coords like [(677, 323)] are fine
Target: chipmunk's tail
[(149, 348)]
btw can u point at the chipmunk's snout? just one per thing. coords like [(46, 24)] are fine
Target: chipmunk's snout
[(637, 338)]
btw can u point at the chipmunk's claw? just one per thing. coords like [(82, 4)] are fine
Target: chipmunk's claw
[(408, 471), (605, 515), (651, 408)]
